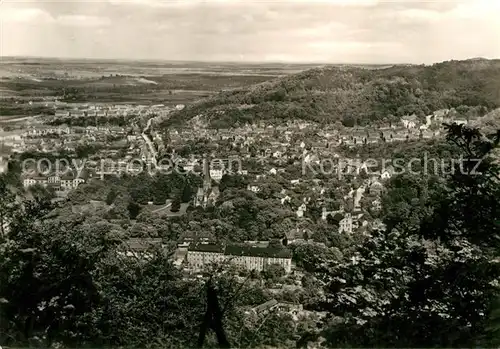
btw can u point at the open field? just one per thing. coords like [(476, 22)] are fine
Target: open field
[(30, 79), (35, 68), (25, 80)]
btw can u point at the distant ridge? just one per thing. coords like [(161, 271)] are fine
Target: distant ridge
[(159, 61), (353, 95)]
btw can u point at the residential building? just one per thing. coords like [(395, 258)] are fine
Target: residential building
[(204, 253), (28, 182), (55, 179), (254, 188), (301, 210), (258, 258), (252, 257), (216, 174), (409, 121), (346, 224), (265, 307), (387, 173)]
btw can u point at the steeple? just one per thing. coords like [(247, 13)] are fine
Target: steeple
[(207, 181)]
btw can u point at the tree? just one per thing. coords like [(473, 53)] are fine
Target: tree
[(275, 243), (133, 209), (213, 318), (335, 219), (7, 206), (311, 256), (403, 202), (431, 283), (80, 290), (60, 292), (273, 272), (187, 193), (349, 121), (176, 205), (110, 198), (235, 181), (80, 195)]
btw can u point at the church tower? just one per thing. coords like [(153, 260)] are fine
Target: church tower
[(207, 181)]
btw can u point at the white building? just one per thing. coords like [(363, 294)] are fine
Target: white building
[(248, 256), (216, 174), (409, 121), (28, 182), (253, 188), (346, 224), (204, 253), (4, 165), (301, 210), (387, 173), (258, 258)]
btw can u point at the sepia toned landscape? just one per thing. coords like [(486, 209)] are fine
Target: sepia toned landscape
[(254, 203)]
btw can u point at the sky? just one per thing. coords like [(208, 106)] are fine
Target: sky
[(294, 31)]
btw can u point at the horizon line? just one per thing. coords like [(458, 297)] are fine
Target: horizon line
[(230, 62), (158, 60)]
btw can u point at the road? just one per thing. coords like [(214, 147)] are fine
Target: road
[(17, 119), (148, 141), (162, 208)]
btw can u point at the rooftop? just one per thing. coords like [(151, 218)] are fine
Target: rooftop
[(206, 247), (265, 306), (245, 250), (142, 244)]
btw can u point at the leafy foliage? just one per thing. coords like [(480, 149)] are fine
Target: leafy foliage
[(431, 283), (354, 96)]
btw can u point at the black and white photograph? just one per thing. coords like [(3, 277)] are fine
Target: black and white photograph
[(267, 174)]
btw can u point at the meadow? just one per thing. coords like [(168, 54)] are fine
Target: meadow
[(114, 81)]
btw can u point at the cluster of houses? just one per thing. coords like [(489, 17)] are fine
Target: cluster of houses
[(438, 117), (278, 146), (60, 184), (64, 110), (256, 256), (258, 139), (51, 139)]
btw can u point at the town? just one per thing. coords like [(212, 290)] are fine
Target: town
[(263, 154), (314, 207)]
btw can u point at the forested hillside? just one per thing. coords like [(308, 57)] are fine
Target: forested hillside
[(354, 96)]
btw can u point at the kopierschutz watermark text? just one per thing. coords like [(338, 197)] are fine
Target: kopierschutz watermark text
[(425, 165)]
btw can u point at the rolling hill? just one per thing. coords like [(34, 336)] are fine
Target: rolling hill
[(353, 96)]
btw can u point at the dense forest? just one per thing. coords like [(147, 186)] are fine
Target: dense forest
[(354, 96)]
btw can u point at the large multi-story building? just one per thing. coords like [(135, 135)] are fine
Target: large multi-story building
[(67, 183), (258, 258), (204, 253), (249, 256)]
